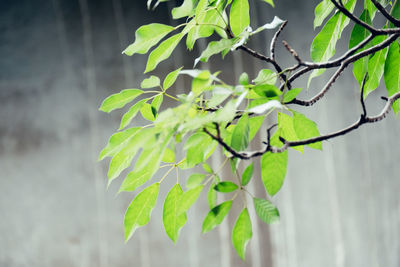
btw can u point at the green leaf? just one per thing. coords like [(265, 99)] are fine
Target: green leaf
[(171, 78), (197, 147), (162, 52), (139, 211), (185, 10), (205, 21), (242, 233), (152, 81), (146, 37), (291, 94), (358, 34), (216, 216), (123, 158), (189, 198), (239, 16), (131, 113), (273, 171), (147, 164), (173, 220), (265, 76), (195, 180), (267, 212), (255, 124), (271, 2), (376, 67), (324, 44), (215, 47), (212, 196), (306, 128), (287, 131), (247, 174), (148, 112), (392, 73), (156, 104), (226, 187), (207, 168), (220, 94), (168, 156), (240, 135), (118, 141), (201, 82), (322, 11), (119, 100), (244, 79), (267, 90)]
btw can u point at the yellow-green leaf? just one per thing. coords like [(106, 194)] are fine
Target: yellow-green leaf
[(120, 99), (173, 220), (239, 16), (171, 78), (162, 52), (131, 113), (306, 128), (242, 233), (139, 211), (216, 216), (146, 37), (152, 81), (118, 141)]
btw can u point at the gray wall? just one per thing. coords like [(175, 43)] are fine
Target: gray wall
[(59, 59)]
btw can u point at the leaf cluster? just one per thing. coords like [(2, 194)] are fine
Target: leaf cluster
[(213, 112)]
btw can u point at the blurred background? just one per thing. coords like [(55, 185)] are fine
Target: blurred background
[(59, 59)]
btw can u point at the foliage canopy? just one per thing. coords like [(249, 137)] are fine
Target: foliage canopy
[(214, 112)]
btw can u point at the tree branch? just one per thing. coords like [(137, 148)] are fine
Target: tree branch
[(393, 20), (286, 144)]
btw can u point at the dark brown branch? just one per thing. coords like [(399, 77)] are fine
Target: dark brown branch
[(362, 23), (389, 17), (362, 120), (333, 63), (344, 64), (293, 52), (362, 96), (275, 38), (262, 57)]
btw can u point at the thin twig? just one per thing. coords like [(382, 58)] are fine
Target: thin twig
[(362, 96), (275, 38)]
